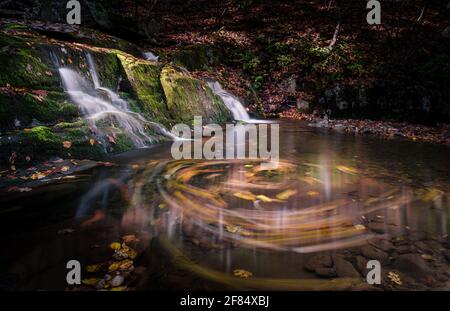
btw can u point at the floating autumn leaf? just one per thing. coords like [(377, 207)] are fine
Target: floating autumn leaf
[(74, 162), (67, 144), (245, 196), (286, 194), (37, 176), (395, 278), (69, 60), (427, 257), (431, 195), (125, 264), (232, 228), (115, 246), (312, 193), (90, 281), (248, 165), (242, 273), (94, 268), (65, 168), (360, 227), (118, 289), (346, 169), (114, 266), (129, 238), (266, 199), (92, 141)]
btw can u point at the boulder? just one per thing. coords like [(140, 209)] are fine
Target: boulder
[(344, 268)]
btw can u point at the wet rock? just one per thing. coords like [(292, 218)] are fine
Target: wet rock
[(371, 252), (446, 254), (344, 268), (446, 32), (377, 227), (423, 247), (326, 272), (361, 264), (414, 265), (117, 281), (382, 244), (404, 249), (318, 261)]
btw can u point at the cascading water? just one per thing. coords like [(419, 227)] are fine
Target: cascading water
[(150, 56), (100, 103), (232, 103)]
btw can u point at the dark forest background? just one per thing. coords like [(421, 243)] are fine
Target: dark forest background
[(318, 55)]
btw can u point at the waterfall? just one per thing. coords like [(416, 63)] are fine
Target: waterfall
[(232, 103), (150, 56), (99, 103)]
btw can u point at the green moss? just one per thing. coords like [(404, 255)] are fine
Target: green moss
[(144, 79), (123, 143), (27, 107), (25, 63), (40, 141), (187, 97)]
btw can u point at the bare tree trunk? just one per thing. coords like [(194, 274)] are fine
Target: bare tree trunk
[(338, 27), (422, 12)]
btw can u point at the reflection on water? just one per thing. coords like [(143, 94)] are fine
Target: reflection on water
[(333, 195)]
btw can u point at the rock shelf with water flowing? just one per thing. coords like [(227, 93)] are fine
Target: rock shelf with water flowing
[(101, 105)]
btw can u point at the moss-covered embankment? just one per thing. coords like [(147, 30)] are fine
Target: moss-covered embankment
[(38, 120)]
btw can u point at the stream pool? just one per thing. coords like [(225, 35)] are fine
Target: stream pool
[(335, 202)]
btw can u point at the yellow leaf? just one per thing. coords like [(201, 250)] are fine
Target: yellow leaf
[(90, 281), (245, 196), (130, 238), (126, 264), (118, 289), (65, 168), (115, 246), (431, 195), (242, 273), (264, 198), (360, 227), (114, 266), (346, 169), (312, 193), (395, 278), (92, 141), (94, 268), (286, 194), (232, 228), (427, 257)]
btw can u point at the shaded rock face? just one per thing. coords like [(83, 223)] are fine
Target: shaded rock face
[(187, 97), (31, 92), (414, 265)]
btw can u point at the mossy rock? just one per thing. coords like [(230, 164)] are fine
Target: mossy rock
[(27, 107), (25, 63), (144, 79), (196, 56), (187, 97)]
